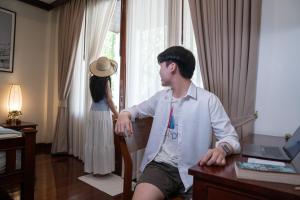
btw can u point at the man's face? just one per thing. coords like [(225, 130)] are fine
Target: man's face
[(165, 73)]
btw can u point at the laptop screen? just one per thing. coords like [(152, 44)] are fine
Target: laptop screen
[(292, 147)]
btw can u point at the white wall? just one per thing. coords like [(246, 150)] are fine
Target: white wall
[(278, 84), (33, 67)]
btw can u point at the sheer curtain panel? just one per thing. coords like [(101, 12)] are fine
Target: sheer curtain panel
[(98, 17)]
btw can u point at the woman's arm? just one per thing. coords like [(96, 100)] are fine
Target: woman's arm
[(110, 101)]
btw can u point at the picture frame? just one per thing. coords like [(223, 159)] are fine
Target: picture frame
[(7, 39)]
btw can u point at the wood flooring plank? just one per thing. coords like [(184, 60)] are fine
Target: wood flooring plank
[(56, 179)]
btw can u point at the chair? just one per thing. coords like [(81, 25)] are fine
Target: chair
[(141, 129)]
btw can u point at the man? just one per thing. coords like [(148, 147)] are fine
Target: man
[(184, 118)]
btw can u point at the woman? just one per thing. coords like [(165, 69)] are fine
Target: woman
[(99, 145)]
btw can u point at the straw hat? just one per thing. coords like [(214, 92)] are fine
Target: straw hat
[(103, 67)]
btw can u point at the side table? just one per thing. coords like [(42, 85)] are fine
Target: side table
[(20, 126)]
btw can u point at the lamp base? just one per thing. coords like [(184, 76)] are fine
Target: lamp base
[(13, 121)]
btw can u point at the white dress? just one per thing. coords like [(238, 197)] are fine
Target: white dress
[(99, 155)]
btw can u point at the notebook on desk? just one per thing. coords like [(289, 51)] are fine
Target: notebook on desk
[(286, 153)]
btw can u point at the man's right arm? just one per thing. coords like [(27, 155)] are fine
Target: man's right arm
[(123, 123), (144, 109)]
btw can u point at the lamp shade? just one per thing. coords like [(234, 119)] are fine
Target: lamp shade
[(15, 98)]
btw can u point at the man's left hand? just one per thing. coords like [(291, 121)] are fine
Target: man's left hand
[(214, 156)]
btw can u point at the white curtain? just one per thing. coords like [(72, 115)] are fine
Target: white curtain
[(152, 26), (76, 103), (146, 37), (98, 17), (173, 15), (189, 41)]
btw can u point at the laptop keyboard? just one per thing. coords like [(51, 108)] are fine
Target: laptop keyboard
[(272, 151)]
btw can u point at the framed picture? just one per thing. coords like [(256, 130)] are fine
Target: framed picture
[(7, 39)]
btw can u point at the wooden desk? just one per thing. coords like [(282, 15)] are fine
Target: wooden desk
[(211, 183)]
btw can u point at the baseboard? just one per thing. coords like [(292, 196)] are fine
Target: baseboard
[(43, 148)]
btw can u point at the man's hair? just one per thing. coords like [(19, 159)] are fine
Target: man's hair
[(184, 59)]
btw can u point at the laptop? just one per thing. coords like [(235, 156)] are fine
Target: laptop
[(286, 153)]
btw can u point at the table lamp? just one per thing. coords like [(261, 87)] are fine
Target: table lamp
[(14, 104)]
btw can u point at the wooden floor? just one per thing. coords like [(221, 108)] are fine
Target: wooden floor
[(56, 178)]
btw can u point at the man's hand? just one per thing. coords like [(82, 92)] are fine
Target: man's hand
[(123, 124), (214, 156)]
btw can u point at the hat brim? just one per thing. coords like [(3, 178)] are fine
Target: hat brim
[(96, 72)]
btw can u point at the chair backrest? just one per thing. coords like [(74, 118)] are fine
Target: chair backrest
[(141, 132), (127, 145)]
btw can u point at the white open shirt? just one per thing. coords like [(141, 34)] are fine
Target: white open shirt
[(201, 113)]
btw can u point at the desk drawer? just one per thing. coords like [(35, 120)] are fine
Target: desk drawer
[(224, 194), (207, 191)]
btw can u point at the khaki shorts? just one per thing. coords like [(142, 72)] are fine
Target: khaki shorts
[(166, 178)]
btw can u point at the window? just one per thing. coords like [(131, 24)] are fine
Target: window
[(111, 49), (153, 26), (189, 41)]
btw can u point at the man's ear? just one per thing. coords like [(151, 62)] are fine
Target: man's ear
[(173, 67)]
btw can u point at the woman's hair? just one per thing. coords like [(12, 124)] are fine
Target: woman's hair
[(98, 87)]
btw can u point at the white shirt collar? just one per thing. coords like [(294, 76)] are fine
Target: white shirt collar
[(192, 92)]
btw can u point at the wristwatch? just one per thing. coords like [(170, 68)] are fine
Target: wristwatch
[(226, 148)]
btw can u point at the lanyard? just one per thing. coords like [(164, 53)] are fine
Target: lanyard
[(170, 118)]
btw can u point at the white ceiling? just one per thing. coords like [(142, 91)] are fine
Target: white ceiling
[(47, 1)]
